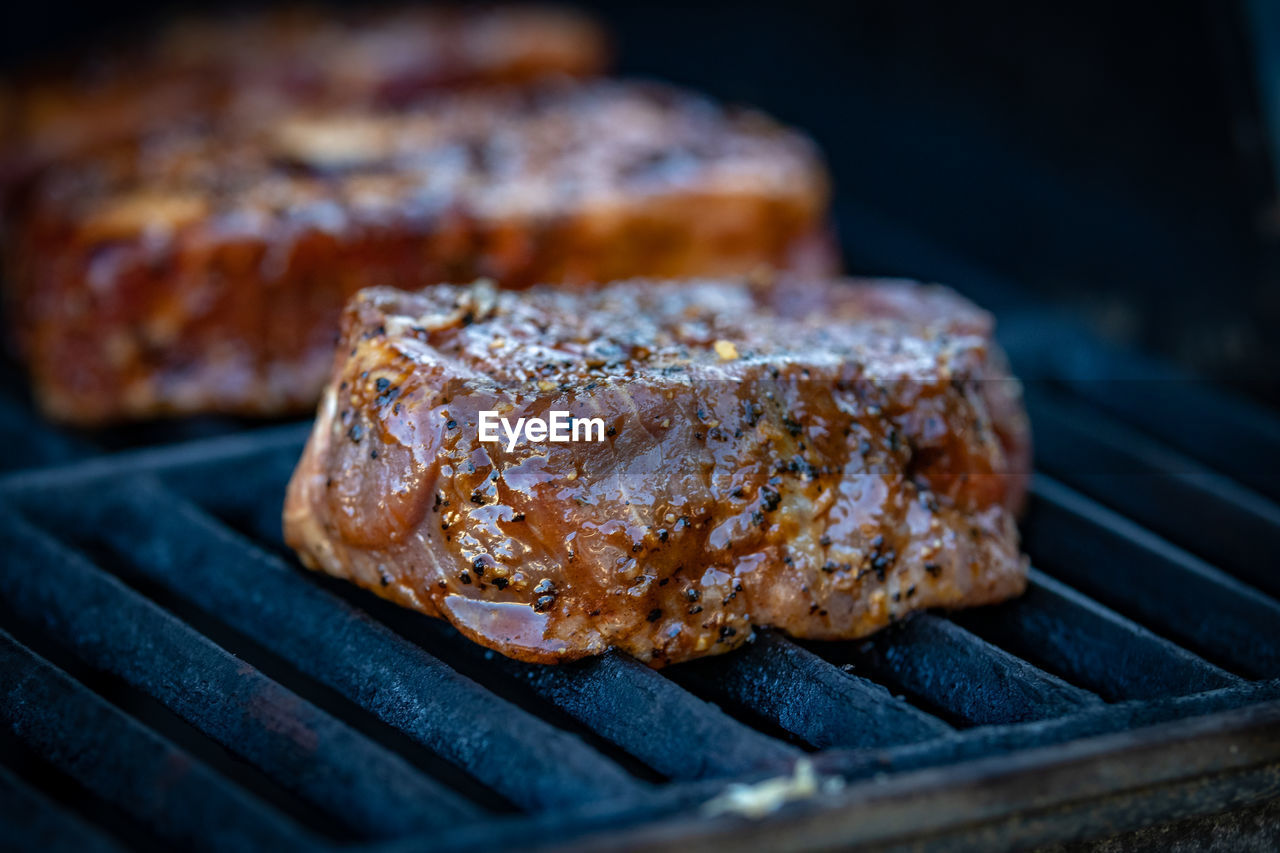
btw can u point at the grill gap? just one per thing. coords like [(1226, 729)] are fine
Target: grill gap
[(156, 718), (778, 684), (1063, 632), (1132, 570), (1228, 433), (956, 675), (1211, 516), (172, 793), (283, 672), (345, 780), (38, 798)]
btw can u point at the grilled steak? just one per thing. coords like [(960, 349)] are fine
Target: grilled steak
[(818, 457), (249, 66), (204, 270)]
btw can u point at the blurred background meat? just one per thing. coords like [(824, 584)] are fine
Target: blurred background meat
[(204, 271), (245, 66), (1114, 157)]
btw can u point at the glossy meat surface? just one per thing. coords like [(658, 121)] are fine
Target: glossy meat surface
[(203, 269), (819, 457)]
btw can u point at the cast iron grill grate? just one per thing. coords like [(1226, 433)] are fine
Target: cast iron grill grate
[(172, 677)]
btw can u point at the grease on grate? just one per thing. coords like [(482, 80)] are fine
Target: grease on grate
[(764, 798)]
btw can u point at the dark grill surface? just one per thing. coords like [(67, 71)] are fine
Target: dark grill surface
[(171, 677)]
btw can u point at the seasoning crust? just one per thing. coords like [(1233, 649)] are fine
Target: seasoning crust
[(821, 457)]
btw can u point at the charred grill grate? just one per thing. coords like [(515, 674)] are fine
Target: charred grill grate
[(170, 676)]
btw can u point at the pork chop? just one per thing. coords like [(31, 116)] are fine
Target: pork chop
[(204, 270), (820, 457)]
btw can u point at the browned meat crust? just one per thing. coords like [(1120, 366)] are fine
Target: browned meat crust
[(203, 270), (822, 473), (251, 65)]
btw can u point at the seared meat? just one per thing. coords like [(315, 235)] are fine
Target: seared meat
[(818, 457), (204, 270), (249, 66)]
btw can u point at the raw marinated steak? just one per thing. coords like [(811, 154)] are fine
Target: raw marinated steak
[(819, 457)]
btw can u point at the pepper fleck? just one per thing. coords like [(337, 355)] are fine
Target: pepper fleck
[(769, 498)]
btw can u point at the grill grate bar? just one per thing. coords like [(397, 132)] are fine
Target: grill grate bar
[(206, 466), (1056, 627), (1161, 489), (177, 546), (654, 719), (789, 687), (1121, 564), (32, 821), (1240, 439), (635, 707), (112, 628), (1227, 432), (684, 799), (1096, 720), (248, 495), (125, 764), (946, 667)]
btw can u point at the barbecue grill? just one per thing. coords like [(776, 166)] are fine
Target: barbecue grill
[(172, 676)]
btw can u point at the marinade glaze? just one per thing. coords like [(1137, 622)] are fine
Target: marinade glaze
[(821, 458)]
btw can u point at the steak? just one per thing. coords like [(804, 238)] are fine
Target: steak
[(248, 66), (203, 269), (821, 457)]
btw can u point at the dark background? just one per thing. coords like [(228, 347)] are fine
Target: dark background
[(1108, 157)]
